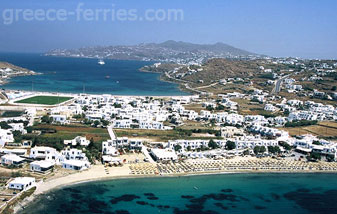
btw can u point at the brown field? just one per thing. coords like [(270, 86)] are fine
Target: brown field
[(247, 107), (228, 88), (328, 123), (150, 135), (323, 129), (188, 125), (155, 135), (70, 132), (194, 107)]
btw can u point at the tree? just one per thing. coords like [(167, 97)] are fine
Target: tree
[(256, 150), (188, 148), (212, 144), (177, 148), (220, 107), (263, 149), (316, 142), (274, 149), (117, 105), (46, 119), (29, 129), (314, 156), (96, 123), (105, 122), (4, 125), (85, 108), (209, 108), (246, 152), (330, 158), (230, 145), (301, 123), (91, 144), (77, 116), (285, 145), (259, 149), (334, 88), (203, 148)]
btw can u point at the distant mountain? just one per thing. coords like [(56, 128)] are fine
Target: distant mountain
[(216, 48), (169, 51)]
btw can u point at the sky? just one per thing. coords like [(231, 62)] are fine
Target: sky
[(297, 28)]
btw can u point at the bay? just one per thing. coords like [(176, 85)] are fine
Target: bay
[(224, 193), (77, 75)]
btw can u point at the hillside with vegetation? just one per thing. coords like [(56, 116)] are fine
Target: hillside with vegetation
[(217, 69)]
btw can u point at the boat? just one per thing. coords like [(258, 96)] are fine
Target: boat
[(107, 77), (101, 62)]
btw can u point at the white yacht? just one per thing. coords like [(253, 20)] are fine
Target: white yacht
[(101, 62)]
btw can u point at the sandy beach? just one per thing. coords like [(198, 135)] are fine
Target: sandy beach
[(187, 168)]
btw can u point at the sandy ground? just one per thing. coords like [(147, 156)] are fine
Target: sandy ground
[(96, 172)]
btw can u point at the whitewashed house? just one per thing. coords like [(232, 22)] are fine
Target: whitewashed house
[(6, 136), (11, 159), (122, 124), (79, 140), (41, 166), (75, 164), (109, 148), (73, 154), (43, 152), (269, 107), (22, 183), (59, 119)]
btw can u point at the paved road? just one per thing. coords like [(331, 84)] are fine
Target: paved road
[(278, 85), (111, 133), (147, 155), (207, 86)]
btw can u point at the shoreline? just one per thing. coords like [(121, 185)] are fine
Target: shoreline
[(50, 93), (178, 86), (54, 184), (5, 81)]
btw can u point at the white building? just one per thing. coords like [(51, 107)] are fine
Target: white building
[(82, 141), (122, 124), (269, 107), (42, 153), (41, 166), (73, 154), (164, 155), (59, 119), (75, 164), (11, 159), (109, 148), (6, 136), (22, 183)]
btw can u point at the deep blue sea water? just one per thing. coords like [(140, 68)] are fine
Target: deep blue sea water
[(71, 75), (226, 193)]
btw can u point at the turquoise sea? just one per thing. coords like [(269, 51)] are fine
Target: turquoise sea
[(226, 193), (75, 75)]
